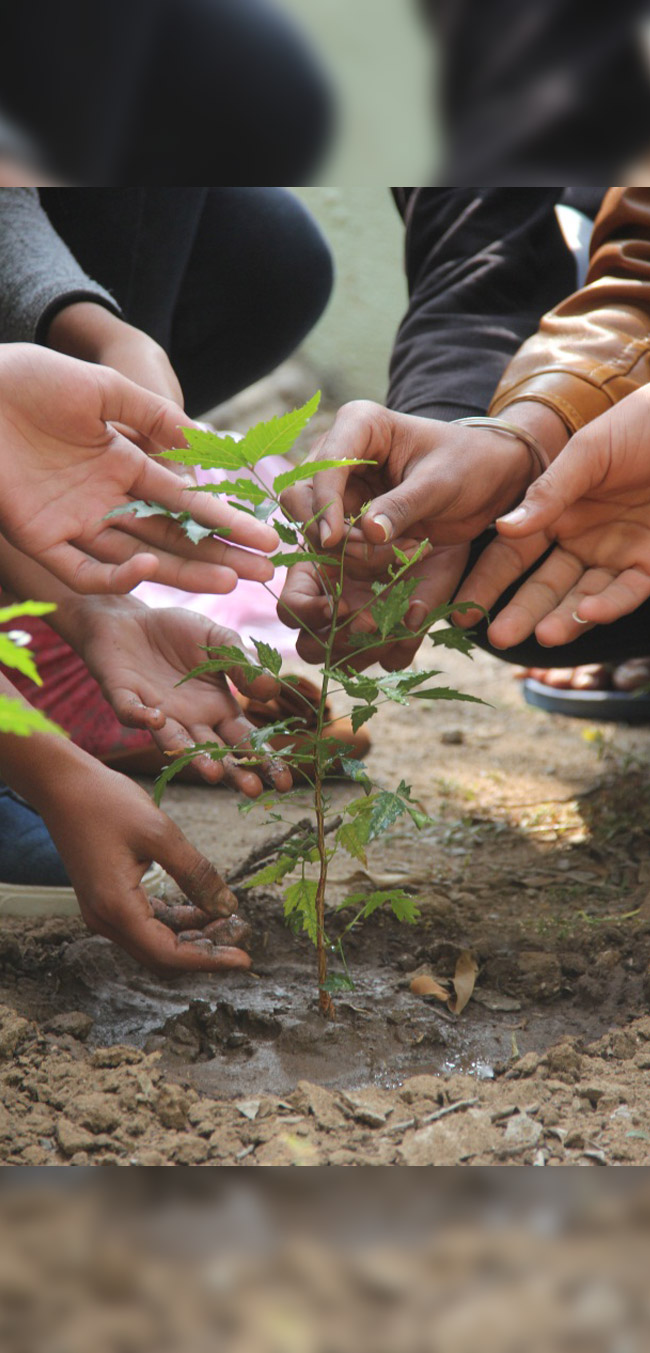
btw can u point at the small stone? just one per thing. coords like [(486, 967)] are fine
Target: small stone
[(116, 1056), (452, 737), (448, 1141), (521, 1134), (13, 1031), (524, 1067), (191, 1151), (319, 1102), (149, 1159), (73, 1138), (172, 1106), (249, 1108), (564, 1061), (74, 1023), (575, 1140), (97, 1112)]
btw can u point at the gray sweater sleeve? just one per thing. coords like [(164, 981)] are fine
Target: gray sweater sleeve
[(38, 274)]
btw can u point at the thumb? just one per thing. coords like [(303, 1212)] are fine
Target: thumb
[(573, 473), (198, 879), (394, 514), (152, 416)]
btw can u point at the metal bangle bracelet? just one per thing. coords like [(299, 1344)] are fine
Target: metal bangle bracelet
[(538, 455)]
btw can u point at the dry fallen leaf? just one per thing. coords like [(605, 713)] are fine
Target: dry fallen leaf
[(464, 980), (425, 984)]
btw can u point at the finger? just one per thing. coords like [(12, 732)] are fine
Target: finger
[(499, 565), (168, 537), (149, 414), (174, 570), (157, 484), (228, 931), (131, 711), (302, 600), (563, 625), (578, 469), (154, 945), (623, 595), (179, 918), (438, 576), (362, 431), (88, 576), (173, 739), (536, 598), (236, 732), (196, 877), (262, 687)]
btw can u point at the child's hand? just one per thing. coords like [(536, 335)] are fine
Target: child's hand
[(139, 656), (305, 606), (64, 466), (594, 502)]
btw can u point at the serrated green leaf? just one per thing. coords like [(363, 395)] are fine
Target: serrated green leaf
[(21, 659), (245, 489), (300, 898), (308, 469), (287, 560), (23, 720), (209, 450), (360, 714), (287, 534), (359, 685), (446, 693), (354, 770), (352, 836), (277, 436), (269, 658), (212, 749), (197, 533), (272, 873), (138, 508), (20, 608), (389, 609), (402, 905)]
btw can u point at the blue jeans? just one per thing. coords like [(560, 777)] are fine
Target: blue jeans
[(28, 854)]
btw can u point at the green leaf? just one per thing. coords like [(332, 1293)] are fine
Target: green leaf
[(197, 533), (402, 905), (138, 508), (354, 770), (277, 437), (359, 685), (212, 749), (272, 873), (390, 609), (269, 658), (300, 899), (360, 715), (22, 720), (209, 450), (339, 981), (22, 659), (287, 560), (225, 658), (308, 469), (446, 693), (245, 489), (286, 533), (19, 608), (352, 836)]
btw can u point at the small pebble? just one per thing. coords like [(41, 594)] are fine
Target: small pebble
[(452, 737)]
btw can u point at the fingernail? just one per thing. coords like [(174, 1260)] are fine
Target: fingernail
[(513, 518), (578, 619), (189, 481), (385, 524), (416, 613), (324, 532)]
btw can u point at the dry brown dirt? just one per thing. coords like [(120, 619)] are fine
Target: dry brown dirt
[(537, 862)]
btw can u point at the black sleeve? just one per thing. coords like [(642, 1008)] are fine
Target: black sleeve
[(483, 265)]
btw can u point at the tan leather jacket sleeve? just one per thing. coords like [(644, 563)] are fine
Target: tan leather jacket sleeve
[(594, 348)]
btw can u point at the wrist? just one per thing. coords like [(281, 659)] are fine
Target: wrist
[(542, 422), (42, 768), (83, 330)]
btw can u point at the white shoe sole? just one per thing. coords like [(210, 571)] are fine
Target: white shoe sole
[(25, 899)]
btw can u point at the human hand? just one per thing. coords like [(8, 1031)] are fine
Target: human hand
[(64, 466), (305, 605), (108, 832), (594, 503), (138, 656), (430, 479), (91, 332)]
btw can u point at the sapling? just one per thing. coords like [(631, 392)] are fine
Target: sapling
[(307, 851)]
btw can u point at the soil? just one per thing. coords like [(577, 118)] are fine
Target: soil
[(537, 862)]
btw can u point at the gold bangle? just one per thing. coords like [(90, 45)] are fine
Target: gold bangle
[(539, 457)]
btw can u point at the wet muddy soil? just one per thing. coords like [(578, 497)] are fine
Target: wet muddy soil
[(537, 861)]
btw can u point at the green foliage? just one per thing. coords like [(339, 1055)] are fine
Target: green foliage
[(16, 717), (185, 520), (314, 751), (22, 720)]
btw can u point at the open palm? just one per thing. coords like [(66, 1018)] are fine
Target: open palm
[(64, 466), (593, 507), (138, 656)]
